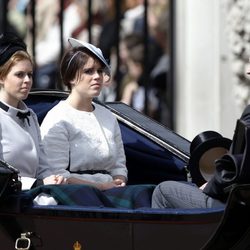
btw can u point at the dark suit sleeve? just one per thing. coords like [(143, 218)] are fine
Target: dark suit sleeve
[(246, 114)]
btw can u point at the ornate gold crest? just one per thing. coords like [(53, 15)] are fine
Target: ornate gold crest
[(77, 246)]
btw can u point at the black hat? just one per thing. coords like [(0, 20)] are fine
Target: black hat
[(205, 148), (9, 44)]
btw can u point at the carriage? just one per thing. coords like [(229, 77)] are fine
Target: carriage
[(154, 154)]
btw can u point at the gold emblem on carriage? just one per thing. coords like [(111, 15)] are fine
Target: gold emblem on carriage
[(77, 246)]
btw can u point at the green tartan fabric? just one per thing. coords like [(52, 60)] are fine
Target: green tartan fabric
[(130, 197)]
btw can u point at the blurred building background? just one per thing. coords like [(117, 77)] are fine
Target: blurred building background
[(182, 62), (212, 54)]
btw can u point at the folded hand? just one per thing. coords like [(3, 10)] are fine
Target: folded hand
[(54, 179)]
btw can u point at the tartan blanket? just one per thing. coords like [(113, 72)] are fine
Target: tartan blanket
[(130, 197)]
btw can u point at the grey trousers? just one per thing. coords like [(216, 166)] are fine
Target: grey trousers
[(173, 194)]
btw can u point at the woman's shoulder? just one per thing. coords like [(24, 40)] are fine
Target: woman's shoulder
[(55, 114), (59, 108)]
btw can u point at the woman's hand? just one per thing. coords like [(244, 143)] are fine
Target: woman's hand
[(108, 185), (120, 180), (101, 186), (54, 179)]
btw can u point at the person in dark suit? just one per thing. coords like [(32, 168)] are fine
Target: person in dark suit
[(173, 194)]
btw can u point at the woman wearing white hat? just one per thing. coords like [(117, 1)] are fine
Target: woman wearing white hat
[(82, 139)]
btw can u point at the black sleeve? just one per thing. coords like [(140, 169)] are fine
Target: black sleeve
[(38, 183), (246, 114)]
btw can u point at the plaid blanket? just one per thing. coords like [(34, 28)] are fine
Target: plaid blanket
[(130, 197)]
